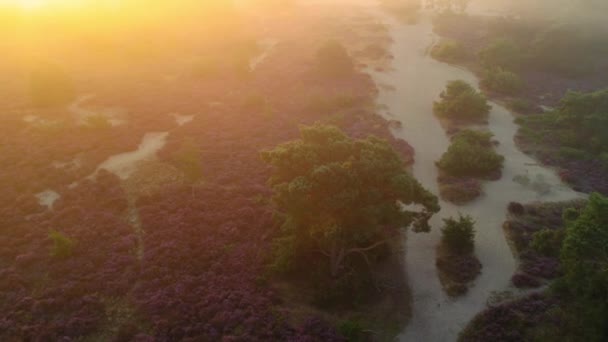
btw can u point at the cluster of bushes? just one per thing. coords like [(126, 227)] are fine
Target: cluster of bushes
[(460, 101), (573, 136), (471, 154), (575, 306)]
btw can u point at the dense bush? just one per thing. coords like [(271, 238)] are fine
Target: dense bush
[(459, 235), (448, 51), (333, 60), (501, 81), (461, 101), (471, 154)]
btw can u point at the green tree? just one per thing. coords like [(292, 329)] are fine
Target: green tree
[(461, 101), (585, 251), (459, 235), (341, 197)]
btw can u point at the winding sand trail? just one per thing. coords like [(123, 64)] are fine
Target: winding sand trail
[(416, 81)]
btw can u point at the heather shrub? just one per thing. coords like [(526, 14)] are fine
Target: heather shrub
[(548, 242)]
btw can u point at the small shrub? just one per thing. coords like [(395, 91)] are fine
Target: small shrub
[(448, 51), (516, 208), (63, 246), (459, 190), (461, 101), (459, 235), (501, 81), (523, 280)]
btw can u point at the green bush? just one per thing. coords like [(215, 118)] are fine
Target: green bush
[(461, 101), (63, 246), (448, 51), (471, 154), (333, 60), (501, 81), (459, 235), (548, 242)]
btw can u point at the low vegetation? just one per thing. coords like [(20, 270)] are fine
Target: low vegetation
[(461, 102)]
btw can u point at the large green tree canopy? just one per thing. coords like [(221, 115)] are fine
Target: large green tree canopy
[(585, 251), (339, 196)]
